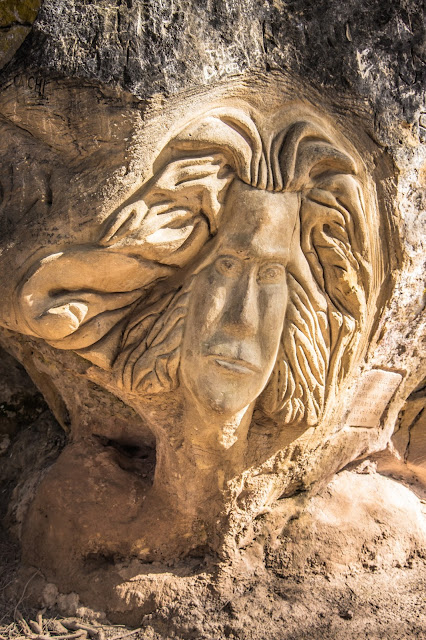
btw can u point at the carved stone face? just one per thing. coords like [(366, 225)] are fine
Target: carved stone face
[(239, 300), (223, 197)]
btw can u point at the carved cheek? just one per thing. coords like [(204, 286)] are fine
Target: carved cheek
[(209, 297), (217, 305), (273, 306), (212, 293)]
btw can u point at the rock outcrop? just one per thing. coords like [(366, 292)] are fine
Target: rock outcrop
[(212, 267)]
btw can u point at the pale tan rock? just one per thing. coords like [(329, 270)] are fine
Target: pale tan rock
[(361, 521), (212, 267), (405, 455), (228, 301), (196, 306)]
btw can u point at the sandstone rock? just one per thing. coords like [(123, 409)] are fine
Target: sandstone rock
[(212, 270)]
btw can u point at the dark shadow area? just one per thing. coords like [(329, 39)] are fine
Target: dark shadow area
[(30, 441), (138, 458)]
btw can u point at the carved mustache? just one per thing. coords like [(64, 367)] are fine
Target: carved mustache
[(240, 355)]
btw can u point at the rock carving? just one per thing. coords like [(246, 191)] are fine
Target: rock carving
[(225, 301), (244, 263)]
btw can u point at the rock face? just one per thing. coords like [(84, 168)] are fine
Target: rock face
[(212, 271)]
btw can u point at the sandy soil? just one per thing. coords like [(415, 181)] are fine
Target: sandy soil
[(324, 576)]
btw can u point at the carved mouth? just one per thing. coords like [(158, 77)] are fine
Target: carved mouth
[(235, 364)]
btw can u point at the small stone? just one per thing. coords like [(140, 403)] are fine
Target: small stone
[(348, 614), (50, 595), (68, 603)]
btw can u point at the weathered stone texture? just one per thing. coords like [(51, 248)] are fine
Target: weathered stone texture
[(212, 222)]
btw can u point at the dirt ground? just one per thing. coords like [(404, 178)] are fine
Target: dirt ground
[(379, 595), (373, 605), (349, 565)]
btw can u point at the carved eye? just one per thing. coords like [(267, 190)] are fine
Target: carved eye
[(271, 273), (228, 266)]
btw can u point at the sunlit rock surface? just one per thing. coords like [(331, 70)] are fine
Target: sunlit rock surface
[(212, 270)]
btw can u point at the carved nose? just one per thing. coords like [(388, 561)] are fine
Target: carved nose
[(242, 316)]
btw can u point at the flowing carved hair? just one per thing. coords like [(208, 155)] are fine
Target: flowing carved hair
[(116, 308), (329, 275)]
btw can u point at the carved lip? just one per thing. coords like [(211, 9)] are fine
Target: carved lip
[(234, 364)]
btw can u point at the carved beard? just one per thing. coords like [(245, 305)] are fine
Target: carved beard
[(326, 309), (297, 386), (150, 355)]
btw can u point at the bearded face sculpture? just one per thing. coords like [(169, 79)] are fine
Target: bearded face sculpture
[(230, 295), (238, 226)]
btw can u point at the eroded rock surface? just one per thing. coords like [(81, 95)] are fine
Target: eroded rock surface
[(212, 271)]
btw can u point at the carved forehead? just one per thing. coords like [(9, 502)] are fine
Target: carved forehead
[(258, 222), (273, 153)]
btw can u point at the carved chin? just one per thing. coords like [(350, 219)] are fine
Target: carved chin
[(226, 397)]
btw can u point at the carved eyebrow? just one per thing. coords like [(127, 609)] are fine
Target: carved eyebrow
[(246, 254)]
